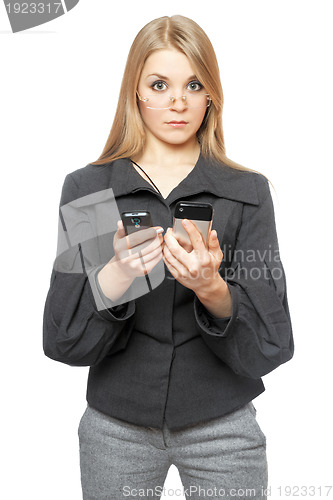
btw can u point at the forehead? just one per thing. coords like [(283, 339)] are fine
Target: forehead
[(169, 62)]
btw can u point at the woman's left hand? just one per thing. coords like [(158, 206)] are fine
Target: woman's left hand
[(196, 269)]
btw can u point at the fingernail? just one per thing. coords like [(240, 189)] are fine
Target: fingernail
[(185, 222), (159, 230)]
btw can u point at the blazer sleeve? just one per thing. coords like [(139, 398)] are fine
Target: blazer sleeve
[(75, 330), (257, 337)]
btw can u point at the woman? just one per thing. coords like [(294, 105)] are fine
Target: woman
[(173, 367)]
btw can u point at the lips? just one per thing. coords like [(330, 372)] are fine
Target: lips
[(177, 123)]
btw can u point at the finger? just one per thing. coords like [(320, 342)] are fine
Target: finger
[(172, 270), (146, 251), (214, 246), (139, 263), (124, 252), (156, 243), (184, 242), (128, 245), (146, 262), (143, 235), (143, 263), (152, 263), (175, 248), (148, 246), (151, 255), (175, 263), (195, 235)]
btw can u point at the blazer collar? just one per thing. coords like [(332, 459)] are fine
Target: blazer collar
[(206, 176)]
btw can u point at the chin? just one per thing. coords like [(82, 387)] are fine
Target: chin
[(176, 139), (176, 142)]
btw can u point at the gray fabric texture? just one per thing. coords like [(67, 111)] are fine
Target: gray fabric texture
[(223, 458)]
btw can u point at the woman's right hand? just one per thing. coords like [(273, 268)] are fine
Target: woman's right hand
[(135, 255), (138, 253)]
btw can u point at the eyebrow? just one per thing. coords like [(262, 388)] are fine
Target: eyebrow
[(192, 77)]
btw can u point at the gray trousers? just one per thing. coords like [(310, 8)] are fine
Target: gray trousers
[(223, 458)]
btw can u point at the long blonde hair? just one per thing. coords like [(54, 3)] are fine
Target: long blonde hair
[(127, 135)]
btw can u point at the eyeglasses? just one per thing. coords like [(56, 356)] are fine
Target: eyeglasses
[(161, 100)]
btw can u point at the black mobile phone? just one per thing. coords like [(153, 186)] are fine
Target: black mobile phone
[(135, 221), (201, 214)]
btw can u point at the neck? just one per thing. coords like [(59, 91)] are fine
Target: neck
[(169, 155)]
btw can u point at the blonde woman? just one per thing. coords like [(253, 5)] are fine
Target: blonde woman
[(173, 367)]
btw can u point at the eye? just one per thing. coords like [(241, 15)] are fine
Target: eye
[(158, 85), (194, 86)]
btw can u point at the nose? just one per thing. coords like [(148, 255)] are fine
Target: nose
[(178, 103)]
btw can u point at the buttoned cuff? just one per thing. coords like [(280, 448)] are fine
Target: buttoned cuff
[(210, 324), (105, 306)]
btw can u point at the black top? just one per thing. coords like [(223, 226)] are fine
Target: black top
[(162, 355)]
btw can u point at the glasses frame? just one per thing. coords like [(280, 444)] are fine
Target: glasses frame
[(172, 99)]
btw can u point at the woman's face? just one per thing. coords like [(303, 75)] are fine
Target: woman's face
[(169, 72)]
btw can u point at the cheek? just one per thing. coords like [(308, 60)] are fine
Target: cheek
[(149, 117), (200, 116)]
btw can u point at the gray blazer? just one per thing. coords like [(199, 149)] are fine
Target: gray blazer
[(162, 355)]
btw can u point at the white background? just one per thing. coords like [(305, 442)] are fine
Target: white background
[(59, 89)]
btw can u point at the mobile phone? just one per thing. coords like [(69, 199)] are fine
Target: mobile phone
[(135, 221), (201, 214)]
